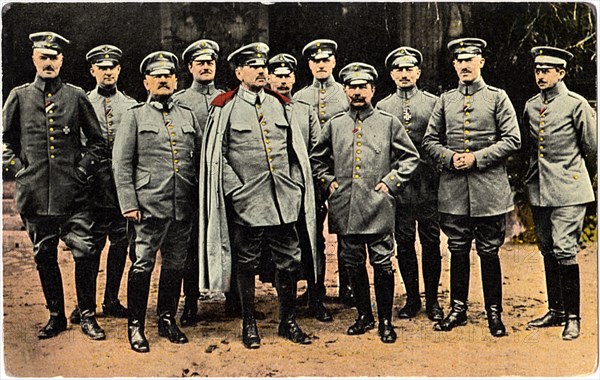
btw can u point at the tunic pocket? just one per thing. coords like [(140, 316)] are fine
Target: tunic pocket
[(142, 179)]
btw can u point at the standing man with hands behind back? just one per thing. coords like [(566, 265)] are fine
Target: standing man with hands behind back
[(472, 130), (43, 124)]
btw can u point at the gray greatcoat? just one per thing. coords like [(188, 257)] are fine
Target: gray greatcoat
[(155, 159), (480, 119), (413, 108), (43, 124), (198, 97), (561, 139), (218, 179), (327, 98), (359, 150)]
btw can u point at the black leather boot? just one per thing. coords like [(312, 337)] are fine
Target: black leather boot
[(491, 279), (86, 272), (250, 336), (115, 265), (384, 294), (286, 292), (75, 316), (460, 272), (359, 280), (189, 315), (345, 293), (556, 314), (315, 303), (569, 280), (169, 289), (138, 288), (432, 268), (409, 271), (51, 280)]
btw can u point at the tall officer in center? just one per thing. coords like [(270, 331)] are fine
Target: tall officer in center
[(255, 180), (472, 131), (363, 158), (328, 99), (155, 165), (417, 202), (201, 60), (282, 76), (110, 105)]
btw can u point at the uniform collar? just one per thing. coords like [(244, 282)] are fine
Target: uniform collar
[(106, 92), (47, 85), (407, 93), (472, 88), (161, 106), (204, 89), (250, 96), (361, 114), (551, 93), (326, 83)]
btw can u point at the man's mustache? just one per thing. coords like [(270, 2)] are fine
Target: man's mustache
[(164, 85), (541, 81), (206, 71), (465, 71), (358, 99), (48, 68)]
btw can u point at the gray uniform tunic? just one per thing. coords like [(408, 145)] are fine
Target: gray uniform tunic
[(480, 119), (155, 160), (327, 98), (198, 97), (561, 138), (359, 150), (413, 108)]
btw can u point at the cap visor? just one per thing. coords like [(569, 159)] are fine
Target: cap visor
[(322, 55), (356, 82), (160, 71), (47, 51), (466, 55), (106, 63), (282, 71), (204, 57)]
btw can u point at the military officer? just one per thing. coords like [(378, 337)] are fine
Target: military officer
[(255, 168), (328, 99), (363, 158), (561, 144), (201, 59), (43, 123), (417, 202), (110, 104), (282, 76), (472, 130), (154, 163)]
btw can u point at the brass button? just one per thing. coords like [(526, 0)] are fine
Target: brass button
[(466, 122), (398, 184), (541, 139), (541, 147), (467, 141), (322, 105), (542, 122), (356, 176), (12, 162), (51, 129), (575, 177), (359, 121), (392, 177), (466, 131), (322, 91), (268, 150), (358, 143), (165, 113), (51, 156), (176, 170), (467, 150), (51, 120), (174, 143), (406, 123), (358, 136), (176, 161), (322, 179), (467, 113), (468, 96), (358, 151), (51, 111), (468, 105), (357, 159), (263, 123), (170, 125), (49, 94), (51, 138), (323, 113), (357, 167), (541, 154), (172, 133), (174, 151), (541, 131), (266, 131), (322, 121), (51, 148), (267, 141)]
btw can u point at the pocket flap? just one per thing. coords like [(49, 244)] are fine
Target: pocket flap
[(142, 179), (149, 128)]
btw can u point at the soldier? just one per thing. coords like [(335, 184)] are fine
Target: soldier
[(561, 144), (110, 104), (154, 163), (417, 202), (201, 59), (328, 99), (255, 180), (282, 77), (43, 123), (363, 157), (472, 130)]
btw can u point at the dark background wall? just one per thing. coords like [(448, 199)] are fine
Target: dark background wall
[(364, 31)]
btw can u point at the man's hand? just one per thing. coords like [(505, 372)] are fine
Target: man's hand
[(382, 187), (333, 187), (133, 215), (463, 161)]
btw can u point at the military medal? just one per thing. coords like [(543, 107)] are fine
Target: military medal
[(406, 115), (542, 111), (66, 130)]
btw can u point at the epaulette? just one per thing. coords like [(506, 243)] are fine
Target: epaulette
[(450, 91), (339, 114), (533, 98), (429, 95), (302, 102), (139, 104), (282, 98), (385, 113), (179, 92), (224, 98), (387, 97), (75, 87), (183, 106), (21, 86), (492, 88), (127, 96), (577, 96)]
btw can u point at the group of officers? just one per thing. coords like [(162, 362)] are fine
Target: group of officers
[(229, 184)]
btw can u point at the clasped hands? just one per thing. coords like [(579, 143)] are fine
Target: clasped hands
[(463, 161)]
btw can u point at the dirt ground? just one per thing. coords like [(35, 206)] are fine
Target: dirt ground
[(215, 349)]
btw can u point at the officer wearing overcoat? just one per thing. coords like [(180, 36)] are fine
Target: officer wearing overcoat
[(43, 126), (561, 144), (416, 202), (110, 105), (155, 166), (201, 60), (327, 97), (472, 131), (255, 180), (282, 76), (363, 158)]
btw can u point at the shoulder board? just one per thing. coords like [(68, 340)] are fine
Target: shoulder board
[(75, 87), (337, 115), (185, 106), (533, 98), (301, 90), (21, 86), (576, 96), (137, 105), (224, 98), (387, 114), (128, 97), (450, 91), (303, 102), (492, 88), (386, 98), (88, 93), (282, 98), (429, 95), (179, 92)]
